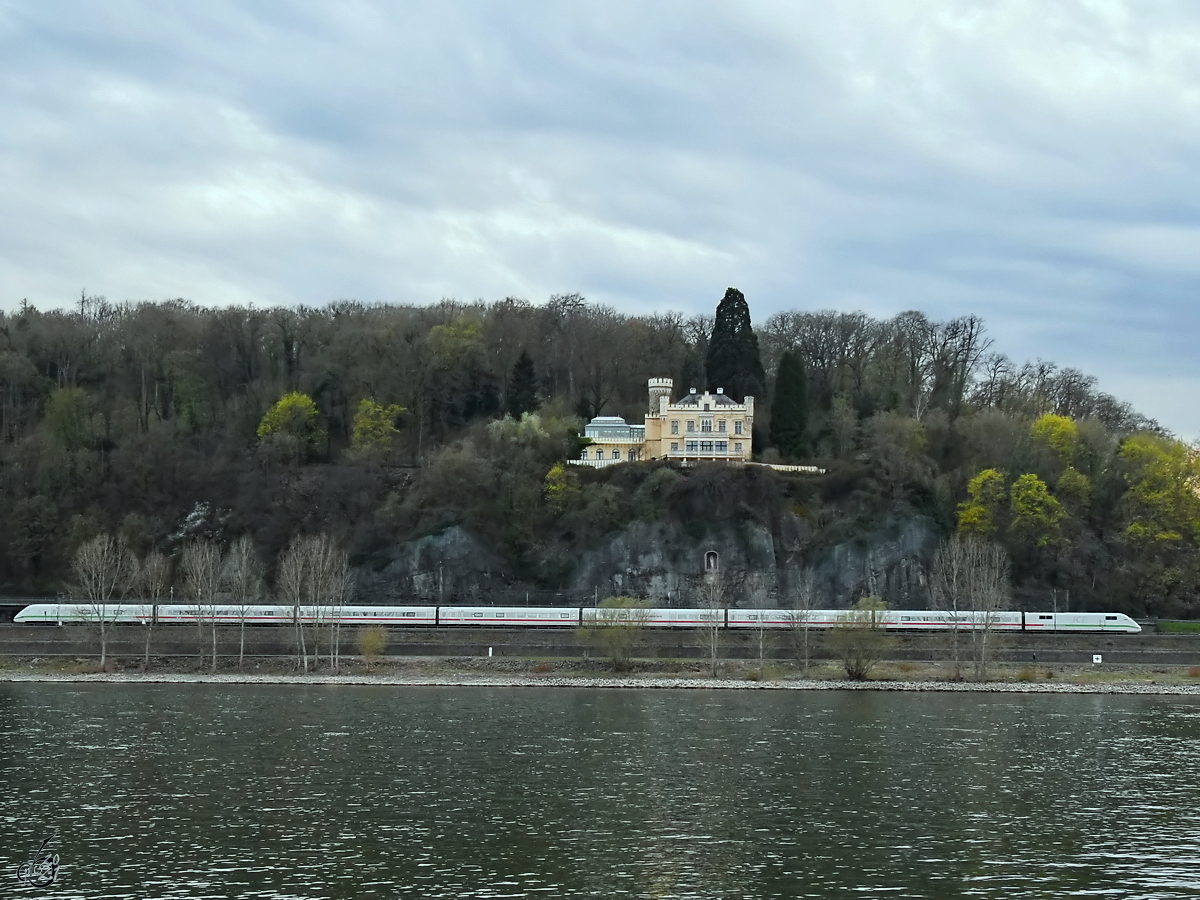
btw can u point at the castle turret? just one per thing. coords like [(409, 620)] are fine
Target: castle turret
[(660, 391)]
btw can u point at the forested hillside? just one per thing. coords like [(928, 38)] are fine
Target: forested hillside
[(380, 425)]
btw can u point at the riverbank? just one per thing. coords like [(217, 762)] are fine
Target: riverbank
[(1014, 687), (527, 673)]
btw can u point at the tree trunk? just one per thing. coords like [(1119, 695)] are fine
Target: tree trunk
[(149, 632), (301, 648)]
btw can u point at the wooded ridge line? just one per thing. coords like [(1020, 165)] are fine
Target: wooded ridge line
[(427, 442)]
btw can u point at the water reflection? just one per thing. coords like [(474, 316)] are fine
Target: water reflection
[(330, 792)]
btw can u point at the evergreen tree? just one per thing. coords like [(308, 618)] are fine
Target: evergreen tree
[(789, 406), (733, 362), (523, 387), (691, 374)]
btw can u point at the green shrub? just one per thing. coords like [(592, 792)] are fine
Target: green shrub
[(371, 643)]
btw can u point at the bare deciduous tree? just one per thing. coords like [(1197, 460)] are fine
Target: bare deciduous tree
[(101, 571), (948, 591), (154, 579), (713, 590), (314, 580), (969, 579), (760, 601), (805, 599), (243, 577), (331, 582), (290, 585), (201, 564)]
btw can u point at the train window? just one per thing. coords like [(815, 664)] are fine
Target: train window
[(1110, 618), (408, 614), (499, 615), (477, 615), (1045, 617), (564, 615)]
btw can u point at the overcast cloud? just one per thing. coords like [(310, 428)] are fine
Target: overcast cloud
[(1036, 164)]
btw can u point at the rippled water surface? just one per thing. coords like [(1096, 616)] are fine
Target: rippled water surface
[(298, 792)]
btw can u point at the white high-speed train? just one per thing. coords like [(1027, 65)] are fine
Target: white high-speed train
[(568, 617)]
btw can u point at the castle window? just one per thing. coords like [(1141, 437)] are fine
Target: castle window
[(583, 454), (721, 426), (737, 448), (722, 446), (616, 454), (674, 426), (674, 446), (706, 446), (706, 425), (691, 425), (737, 427), (692, 446), (599, 453), (706, 407)]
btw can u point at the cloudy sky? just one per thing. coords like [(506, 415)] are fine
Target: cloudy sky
[(1036, 164)]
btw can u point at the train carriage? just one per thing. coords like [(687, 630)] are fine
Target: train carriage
[(511, 616), (658, 618)]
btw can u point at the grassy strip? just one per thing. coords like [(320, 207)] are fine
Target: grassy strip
[(1179, 627)]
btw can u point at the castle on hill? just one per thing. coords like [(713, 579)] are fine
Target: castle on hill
[(698, 427)]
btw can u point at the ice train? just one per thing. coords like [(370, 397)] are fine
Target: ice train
[(569, 617)]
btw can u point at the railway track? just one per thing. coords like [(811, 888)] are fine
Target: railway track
[(79, 641)]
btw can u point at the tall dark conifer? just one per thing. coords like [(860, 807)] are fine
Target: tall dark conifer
[(789, 406), (523, 387), (733, 362)]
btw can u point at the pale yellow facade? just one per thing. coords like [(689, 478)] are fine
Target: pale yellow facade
[(699, 427)]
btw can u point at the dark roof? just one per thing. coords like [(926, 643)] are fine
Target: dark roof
[(717, 399)]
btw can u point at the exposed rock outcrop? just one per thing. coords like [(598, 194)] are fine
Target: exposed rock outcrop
[(667, 563)]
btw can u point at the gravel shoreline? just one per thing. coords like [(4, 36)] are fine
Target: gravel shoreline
[(642, 682)]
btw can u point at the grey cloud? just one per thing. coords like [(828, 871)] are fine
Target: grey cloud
[(1033, 164)]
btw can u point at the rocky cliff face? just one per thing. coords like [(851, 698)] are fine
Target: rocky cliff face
[(666, 563), (452, 567)]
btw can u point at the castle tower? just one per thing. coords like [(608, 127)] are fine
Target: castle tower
[(659, 388)]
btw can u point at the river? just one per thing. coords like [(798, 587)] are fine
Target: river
[(335, 791)]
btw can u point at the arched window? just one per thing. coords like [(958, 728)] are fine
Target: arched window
[(616, 454), (599, 453)]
